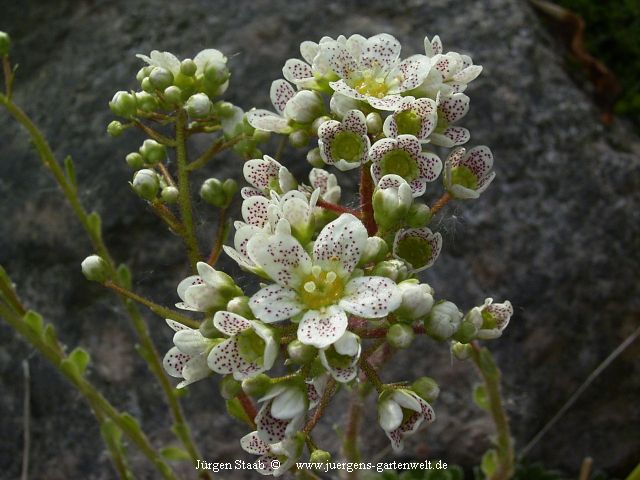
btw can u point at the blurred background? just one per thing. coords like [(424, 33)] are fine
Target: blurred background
[(557, 233)]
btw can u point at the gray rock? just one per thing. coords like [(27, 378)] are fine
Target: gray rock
[(556, 232)]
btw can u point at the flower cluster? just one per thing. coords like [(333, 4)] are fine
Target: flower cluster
[(333, 277)]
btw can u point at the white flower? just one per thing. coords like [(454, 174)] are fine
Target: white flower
[(265, 175), (250, 349), (275, 459), (414, 116), (307, 73), (450, 110), (321, 289), (164, 60), (369, 69), (341, 358), (344, 144), (467, 175), (403, 156), (392, 199), (208, 291), (419, 247), (282, 414), (188, 359), (417, 300), (326, 183), (400, 414), (303, 106), (491, 318)]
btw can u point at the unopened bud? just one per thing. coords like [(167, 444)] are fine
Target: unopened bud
[(394, 269), (152, 151), (142, 74), (320, 456), (146, 85), (461, 351), (173, 95), (299, 139), (146, 102), (391, 200), (419, 216), (230, 387), (304, 107), (216, 72), (417, 300), (115, 128), (208, 329), (240, 306), (301, 353), (374, 251), (467, 332), (146, 184), (188, 67), (374, 123), (161, 78), (427, 388), (400, 335), (123, 104), (5, 44), (314, 158), (317, 122), (135, 160), (95, 269), (443, 320), (213, 193), (257, 385), (223, 109), (169, 194), (198, 106)]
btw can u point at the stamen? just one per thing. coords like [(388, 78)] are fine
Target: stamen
[(331, 276), (316, 271), (310, 287)]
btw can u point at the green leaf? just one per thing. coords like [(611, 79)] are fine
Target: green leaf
[(174, 454), (124, 276), (50, 337), (480, 396), (95, 224), (35, 322), (69, 368), (130, 422), (234, 408), (80, 358), (489, 462), (110, 431), (71, 172)]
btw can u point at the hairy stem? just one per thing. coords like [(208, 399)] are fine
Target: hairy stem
[(221, 235), (338, 208), (366, 201), (350, 445), (329, 390), (441, 202)]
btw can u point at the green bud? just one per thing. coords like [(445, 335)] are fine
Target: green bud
[(212, 192), (95, 269), (115, 128), (146, 102), (400, 335), (299, 139), (123, 104), (198, 106), (230, 387), (230, 187), (169, 194), (173, 95), (461, 350), (135, 160), (146, 184), (317, 122), (188, 67), (260, 136), (216, 72), (5, 43), (391, 205), (153, 152), (146, 85), (240, 306), (427, 388), (223, 109), (208, 329), (466, 332), (301, 353), (374, 251), (443, 320), (256, 386), (161, 78), (394, 269), (374, 123), (419, 216), (417, 300), (142, 74), (320, 456), (314, 158)]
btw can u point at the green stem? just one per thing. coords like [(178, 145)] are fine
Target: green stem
[(8, 75), (215, 148), (350, 444), (221, 235), (329, 390), (371, 374), (157, 136), (490, 374), (97, 402), (635, 474), (184, 198)]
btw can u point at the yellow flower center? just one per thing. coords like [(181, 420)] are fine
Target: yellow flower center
[(371, 84), (321, 289)]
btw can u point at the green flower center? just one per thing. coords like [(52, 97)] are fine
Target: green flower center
[(463, 176), (408, 122), (321, 289), (442, 124), (399, 162), (489, 320), (415, 250), (371, 84), (348, 146), (251, 346)]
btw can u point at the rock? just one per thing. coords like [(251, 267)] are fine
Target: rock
[(555, 233)]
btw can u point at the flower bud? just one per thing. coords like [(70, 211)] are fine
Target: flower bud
[(394, 269), (123, 104), (374, 251), (419, 215), (198, 106), (427, 388), (314, 158), (146, 102), (391, 203), (146, 85), (216, 72), (460, 350), (224, 109), (304, 107), (257, 385), (229, 387), (142, 73), (417, 300), (208, 329), (95, 269), (213, 193), (173, 95), (443, 320), (115, 128), (169, 194), (146, 184), (317, 122), (152, 151), (5, 43), (161, 78), (400, 335), (467, 332), (135, 160), (230, 187), (301, 353), (320, 456), (240, 306), (188, 67), (299, 139), (374, 123)]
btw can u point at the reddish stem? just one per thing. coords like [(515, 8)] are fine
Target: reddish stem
[(338, 208), (248, 407), (382, 332), (366, 201), (441, 202)]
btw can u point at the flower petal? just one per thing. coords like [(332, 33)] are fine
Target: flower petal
[(321, 329), (252, 443), (270, 429), (260, 172), (289, 404), (355, 121), (380, 51), (296, 70), (225, 357), (389, 415), (195, 369), (479, 160), (339, 58), (451, 137), (267, 121), (342, 88), (174, 361), (430, 166), (340, 244), (281, 256), (281, 93), (188, 282), (455, 107), (230, 323), (413, 71), (190, 341), (275, 303), (371, 297), (254, 211), (175, 326)]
